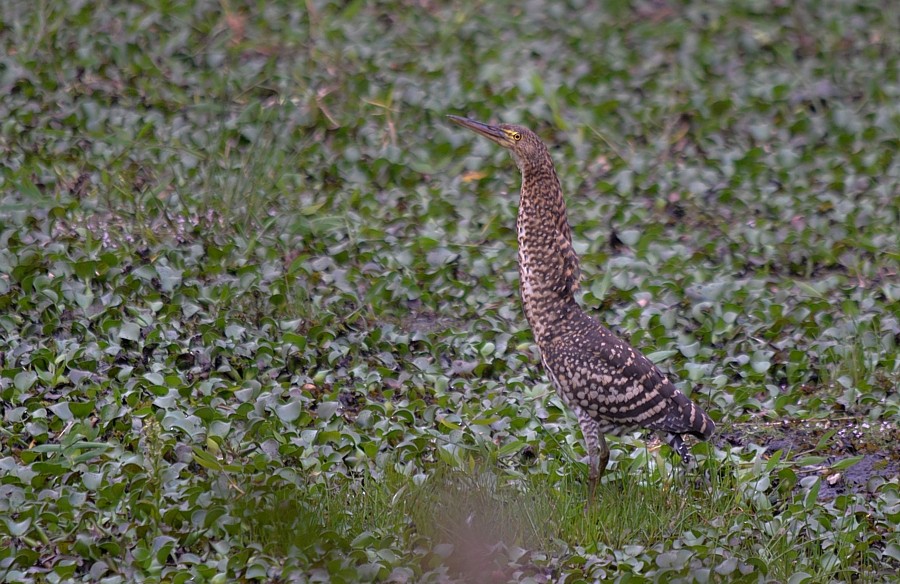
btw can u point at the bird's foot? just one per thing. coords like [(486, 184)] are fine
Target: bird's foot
[(681, 448)]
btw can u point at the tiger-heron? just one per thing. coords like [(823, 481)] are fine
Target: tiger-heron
[(610, 386)]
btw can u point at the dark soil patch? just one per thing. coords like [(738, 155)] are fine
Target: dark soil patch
[(834, 440)]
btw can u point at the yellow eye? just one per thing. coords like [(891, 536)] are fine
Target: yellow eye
[(516, 136)]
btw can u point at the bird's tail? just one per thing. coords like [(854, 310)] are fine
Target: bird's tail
[(702, 425), (688, 418)]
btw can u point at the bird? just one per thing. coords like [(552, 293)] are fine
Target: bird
[(611, 387)]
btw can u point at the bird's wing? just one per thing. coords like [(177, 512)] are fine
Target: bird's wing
[(617, 384), (661, 405)]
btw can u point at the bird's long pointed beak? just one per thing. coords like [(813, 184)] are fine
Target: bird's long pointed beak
[(491, 132)]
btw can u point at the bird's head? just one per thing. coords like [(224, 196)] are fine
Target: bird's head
[(525, 145)]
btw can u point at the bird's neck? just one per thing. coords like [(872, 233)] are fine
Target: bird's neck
[(548, 266)]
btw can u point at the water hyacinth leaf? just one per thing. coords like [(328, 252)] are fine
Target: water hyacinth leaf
[(689, 350), (17, 529), (326, 410), (295, 339), (24, 380), (800, 578), (85, 269), (155, 378), (760, 367), (92, 480), (267, 316), (162, 547), (661, 356), (175, 420), (169, 277), (61, 410), (130, 331), (290, 411), (82, 409), (726, 567), (808, 289)]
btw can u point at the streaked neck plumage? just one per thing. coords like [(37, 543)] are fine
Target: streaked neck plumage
[(548, 266)]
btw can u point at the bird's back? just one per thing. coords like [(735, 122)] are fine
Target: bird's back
[(602, 375)]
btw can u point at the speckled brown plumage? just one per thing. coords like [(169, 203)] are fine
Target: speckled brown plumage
[(611, 387)]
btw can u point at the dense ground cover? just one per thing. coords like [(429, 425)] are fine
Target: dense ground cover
[(258, 308)]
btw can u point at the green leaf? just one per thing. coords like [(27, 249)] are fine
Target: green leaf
[(298, 341), (62, 411), (808, 289), (155, 378), (82, 409), (18, 529), (811, 497), (810, 460), (448, 424), (847, 462), (85, 269), (510, 448), (92, 480), (662, 355), (24, 380), (822, 443), (163, 545), (326, 410), (206, 459), (290, 411), (130, 331), (689, 350)]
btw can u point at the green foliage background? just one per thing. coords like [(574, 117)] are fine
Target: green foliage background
[(258, 306)]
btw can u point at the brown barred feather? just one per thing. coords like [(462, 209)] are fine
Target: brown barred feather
[(611, 386)]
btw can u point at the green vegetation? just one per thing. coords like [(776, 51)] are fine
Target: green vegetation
[(258, 307)]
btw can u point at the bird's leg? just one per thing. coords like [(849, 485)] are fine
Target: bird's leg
[(597, 451), (598, 464), (681, 448)]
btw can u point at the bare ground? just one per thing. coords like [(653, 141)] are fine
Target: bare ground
[(832, 440)]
